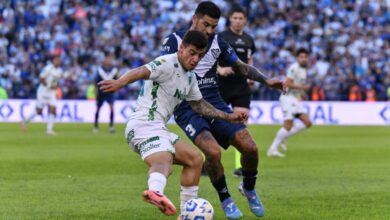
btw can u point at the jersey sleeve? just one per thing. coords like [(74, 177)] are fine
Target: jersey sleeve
[(228, 56), (159, 70), (290, 72), (45, 72), (169, 45), (194, 93)]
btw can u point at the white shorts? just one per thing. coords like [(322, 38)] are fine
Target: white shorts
[(146, 137), (46, 98), (291, 107)]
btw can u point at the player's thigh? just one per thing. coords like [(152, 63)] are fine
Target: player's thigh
[(186, 154), (288, 124), (288, 106), (206, 142), (192, 124), (224, 131), (305, 119)]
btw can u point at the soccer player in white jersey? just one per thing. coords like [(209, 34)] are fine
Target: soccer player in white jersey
[(169, 81), (46, 93), (291, 104)]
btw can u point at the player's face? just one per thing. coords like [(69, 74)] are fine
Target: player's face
[(189, 56), (303, 59), (205, 24), (237, 21), (57, 61)]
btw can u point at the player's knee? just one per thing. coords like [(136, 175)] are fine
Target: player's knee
[(197, 160), (213, 154), (308, 124), (250, 149)]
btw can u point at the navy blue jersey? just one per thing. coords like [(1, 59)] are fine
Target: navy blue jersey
[(206, 70), (105, 73)]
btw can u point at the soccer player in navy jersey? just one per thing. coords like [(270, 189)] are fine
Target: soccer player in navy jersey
[(105, 72), (209, 135)]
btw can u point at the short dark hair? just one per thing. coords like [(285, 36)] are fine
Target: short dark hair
[(196, 38), (208, 8), (237, 9), (302, 50)]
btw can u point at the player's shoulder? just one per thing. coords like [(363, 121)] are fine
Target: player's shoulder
[(294, 66)]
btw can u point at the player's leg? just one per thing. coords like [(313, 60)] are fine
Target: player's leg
[(198, 130), (192, 161), (160, 167), (51, 120), (280, 137), (111, 104), (38, 111), (237, 155), (298, 127), (244, 143), (99, 103), (212, 151), (240, 103)]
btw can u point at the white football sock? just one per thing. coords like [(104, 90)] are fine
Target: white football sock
[(50, 122), (280, 136), (298, 127), (187, 193), (30, 118), (157, 182)]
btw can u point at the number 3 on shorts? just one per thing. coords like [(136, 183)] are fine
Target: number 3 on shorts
[(190, 130)]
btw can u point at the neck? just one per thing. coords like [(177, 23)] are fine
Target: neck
[(237, 31), (180, 62)]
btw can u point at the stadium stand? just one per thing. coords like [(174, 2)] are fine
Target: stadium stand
[(349, 42)]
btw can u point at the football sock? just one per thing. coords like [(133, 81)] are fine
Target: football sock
[(298, 127), (96, 118), (30, 118), (157, 182), (221, 187), (50, 122), (187, 193), (280, 136), (249, 179), (111, 118)]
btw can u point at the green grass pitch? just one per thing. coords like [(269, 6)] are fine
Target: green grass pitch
[(330, 172)]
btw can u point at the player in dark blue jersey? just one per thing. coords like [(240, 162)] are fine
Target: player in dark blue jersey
[(105, 72), (210, 135)]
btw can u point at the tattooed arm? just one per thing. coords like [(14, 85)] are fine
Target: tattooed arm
[(253, 73), (205, 109)]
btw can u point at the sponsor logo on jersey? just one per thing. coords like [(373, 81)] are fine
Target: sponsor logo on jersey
[(207, 81), (179, 94)]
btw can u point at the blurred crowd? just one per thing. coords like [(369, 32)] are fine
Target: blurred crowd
[(349, 42)]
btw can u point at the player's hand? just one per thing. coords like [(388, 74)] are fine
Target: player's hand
[(109, 85), (306, 87), (238, 117), (224, 71), (277, 84)]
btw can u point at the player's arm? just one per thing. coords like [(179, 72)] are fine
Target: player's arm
[(205, 109), (290, 84), (253, 73), (129, 77)]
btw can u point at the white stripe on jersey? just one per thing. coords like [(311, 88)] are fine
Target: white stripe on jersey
[(107, 75)]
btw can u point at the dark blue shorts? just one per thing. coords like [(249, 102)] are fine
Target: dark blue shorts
[(100, 99), (192, 124)]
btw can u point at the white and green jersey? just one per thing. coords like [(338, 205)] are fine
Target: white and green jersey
[(298, 75), (168, 85)]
